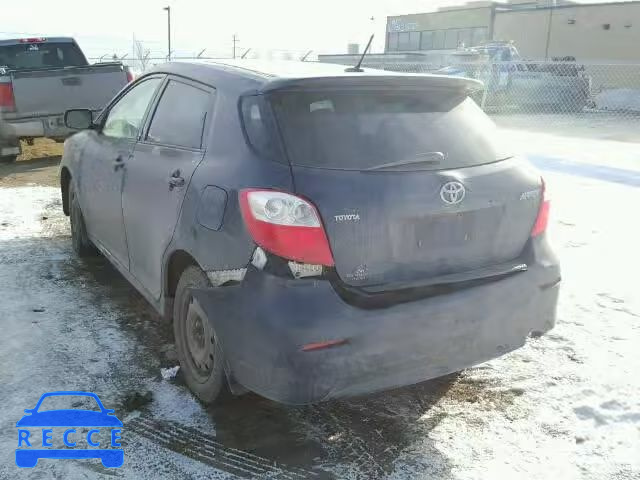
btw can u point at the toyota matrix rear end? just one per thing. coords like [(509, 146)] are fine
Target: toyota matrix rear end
[(411, 246)]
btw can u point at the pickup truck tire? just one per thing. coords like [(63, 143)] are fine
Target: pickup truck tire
[(79, 238), (8, 159), (199, 353)]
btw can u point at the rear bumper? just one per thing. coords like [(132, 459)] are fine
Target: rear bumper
[(9, 143), (39, 125), (263, 322), (9, 150)]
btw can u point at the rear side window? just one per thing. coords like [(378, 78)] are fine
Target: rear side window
[(361, 130), (41, 55), (259, 127), (180, 116)]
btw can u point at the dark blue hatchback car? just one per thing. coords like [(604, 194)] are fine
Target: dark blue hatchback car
[(313, 231)]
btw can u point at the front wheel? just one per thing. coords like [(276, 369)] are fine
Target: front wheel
[(200, 356)]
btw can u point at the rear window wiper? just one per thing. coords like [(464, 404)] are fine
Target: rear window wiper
[(426, 158)]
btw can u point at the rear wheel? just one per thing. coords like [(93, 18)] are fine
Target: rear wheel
[(79, 238), (200, 356)]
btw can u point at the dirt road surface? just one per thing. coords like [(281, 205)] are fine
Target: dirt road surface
[(567, 405)]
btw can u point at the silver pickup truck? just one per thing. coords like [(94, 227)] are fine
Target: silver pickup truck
[(41, 78)]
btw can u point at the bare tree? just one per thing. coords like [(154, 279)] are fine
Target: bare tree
[(142, 55)]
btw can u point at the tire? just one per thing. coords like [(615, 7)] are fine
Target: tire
[(8, 159), (201, 359), (79, 238)]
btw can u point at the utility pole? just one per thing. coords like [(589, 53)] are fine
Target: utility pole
[(552, 7), (235, 40), (168, 9)]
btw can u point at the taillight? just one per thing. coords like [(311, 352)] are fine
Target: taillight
[(129, 75), (285, 225), (32, 40), (7, 103), (543, 213)]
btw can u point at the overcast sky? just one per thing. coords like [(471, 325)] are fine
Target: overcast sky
[(105, 27)]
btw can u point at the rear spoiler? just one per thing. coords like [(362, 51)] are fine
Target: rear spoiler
[(382, 81)]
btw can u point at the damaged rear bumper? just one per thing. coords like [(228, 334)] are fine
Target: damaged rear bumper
[(263, 323)]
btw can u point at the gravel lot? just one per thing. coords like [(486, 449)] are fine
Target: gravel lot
[(567, 405)]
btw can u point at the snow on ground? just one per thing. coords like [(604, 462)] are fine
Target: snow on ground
[(620, 99), (567, 405)]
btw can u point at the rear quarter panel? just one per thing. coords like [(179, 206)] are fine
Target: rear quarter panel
[(229, 165)]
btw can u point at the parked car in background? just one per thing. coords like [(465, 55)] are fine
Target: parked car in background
[(41, 78), (314, 231), (560, 85)]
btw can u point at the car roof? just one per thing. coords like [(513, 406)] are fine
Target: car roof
[(267, 75), (271, 69)]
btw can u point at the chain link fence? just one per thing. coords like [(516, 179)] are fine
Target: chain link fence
[(560, 96)]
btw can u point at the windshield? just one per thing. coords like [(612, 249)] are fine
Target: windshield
[(363, 130), (25, 56)]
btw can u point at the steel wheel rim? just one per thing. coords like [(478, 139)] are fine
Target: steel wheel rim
[(200, 341)]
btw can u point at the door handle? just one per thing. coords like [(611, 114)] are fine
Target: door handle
[(118, 163), (175, 180)]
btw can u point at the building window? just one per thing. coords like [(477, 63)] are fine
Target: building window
[(403, 41), (478, 36), (438, 39), (464, 37), (393, 42), (406, 41), (426, 42), (451, 38), (414, 40)]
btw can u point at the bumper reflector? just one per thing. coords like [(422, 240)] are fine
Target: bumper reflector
[(311, 347)]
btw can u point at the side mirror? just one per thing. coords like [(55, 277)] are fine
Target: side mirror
[(78, 119)]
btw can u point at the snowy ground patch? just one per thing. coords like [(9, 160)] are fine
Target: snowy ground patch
[(619, 99)]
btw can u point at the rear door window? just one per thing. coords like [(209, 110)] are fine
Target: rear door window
[(180, 116), (361, 130)]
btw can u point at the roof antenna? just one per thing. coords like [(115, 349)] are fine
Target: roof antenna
[(357, 67)]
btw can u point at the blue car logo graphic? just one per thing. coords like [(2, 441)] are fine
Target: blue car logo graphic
[(78, 418)]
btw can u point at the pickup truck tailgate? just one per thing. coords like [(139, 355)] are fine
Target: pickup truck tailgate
[(53, 91)]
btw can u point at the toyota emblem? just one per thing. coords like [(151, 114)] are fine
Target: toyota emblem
[(452, 193)]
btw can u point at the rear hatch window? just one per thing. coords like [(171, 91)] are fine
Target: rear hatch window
[(36, 55), (368, 162), (428, 129)]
